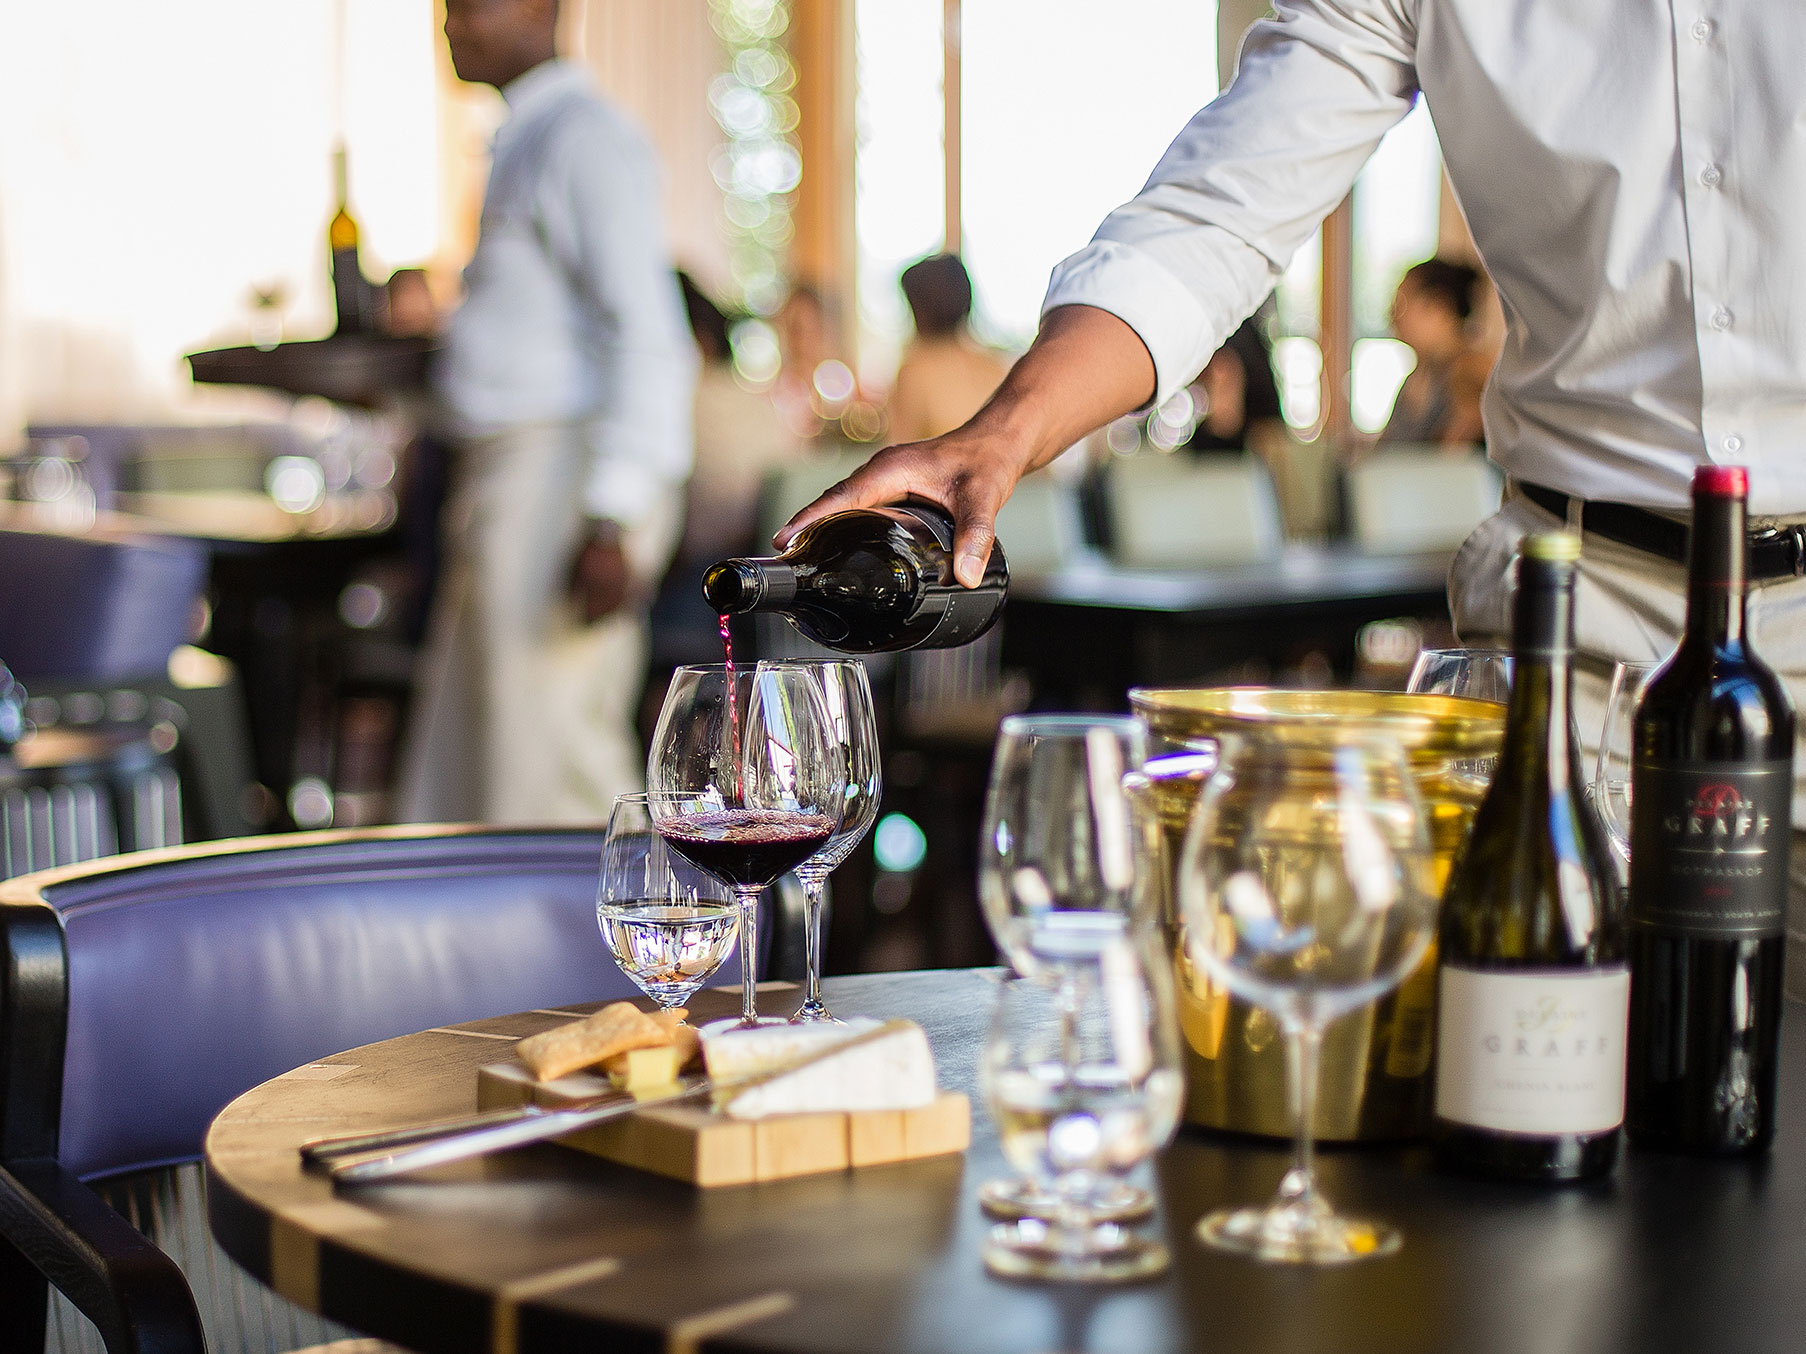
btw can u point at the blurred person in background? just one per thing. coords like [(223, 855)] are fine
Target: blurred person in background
[(806, 344), (566, 377), (1239, 396), (740, 439), (1439, 402), (945, 374), (410, 310)]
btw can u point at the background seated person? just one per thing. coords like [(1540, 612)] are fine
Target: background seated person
[(1439, 402), (945, 374), (1239, 396)]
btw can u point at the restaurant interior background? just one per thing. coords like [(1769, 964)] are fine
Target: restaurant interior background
[(165, 185)]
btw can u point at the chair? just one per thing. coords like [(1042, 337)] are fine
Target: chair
[(1167, 512), (139, 994), (793, 487), (95, 607), (1040, 526), (1405, 500)]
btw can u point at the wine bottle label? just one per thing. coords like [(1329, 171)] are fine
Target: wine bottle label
[(1708, 846), (1533, 1051)]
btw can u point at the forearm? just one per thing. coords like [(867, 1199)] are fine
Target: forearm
[(1085, 368)]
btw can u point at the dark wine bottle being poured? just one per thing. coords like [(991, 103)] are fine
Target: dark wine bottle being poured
[(868, 581)]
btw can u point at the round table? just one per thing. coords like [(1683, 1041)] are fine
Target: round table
[(549, 1249)]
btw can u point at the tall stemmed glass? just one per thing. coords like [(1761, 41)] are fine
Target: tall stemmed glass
[(1305, 888), (745, 779), (668, 924), (1610, 790), (847, 694), (1065, 861)]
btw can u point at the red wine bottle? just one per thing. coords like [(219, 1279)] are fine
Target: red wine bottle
[(868, 581), (1710, 832), (1532, 985)]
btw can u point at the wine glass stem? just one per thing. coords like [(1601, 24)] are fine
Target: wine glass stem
[(749, 955), (812, 890), (1303, 1044)]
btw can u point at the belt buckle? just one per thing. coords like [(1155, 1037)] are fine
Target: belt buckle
[(1794, 533)]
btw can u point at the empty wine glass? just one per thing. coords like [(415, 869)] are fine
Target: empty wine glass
[(1305, 889), (746, 780), (847, 693), (1065, 857), (1610, 790), (1482, 674), (1062, 833), (1081, 1074), (668, 924)]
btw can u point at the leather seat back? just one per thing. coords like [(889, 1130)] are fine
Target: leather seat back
[(195, 976)]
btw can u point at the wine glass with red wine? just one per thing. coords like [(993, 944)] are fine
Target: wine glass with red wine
[(746, 780)]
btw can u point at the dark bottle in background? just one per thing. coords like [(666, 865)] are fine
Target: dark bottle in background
[(351, 294), (1710, 833), (867, 581), (1533, 988)]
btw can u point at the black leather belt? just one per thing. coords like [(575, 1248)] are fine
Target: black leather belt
[(1774, 551)]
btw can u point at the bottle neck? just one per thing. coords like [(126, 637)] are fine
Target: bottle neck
[(736, 586), (1717, 570), (1538, 735)]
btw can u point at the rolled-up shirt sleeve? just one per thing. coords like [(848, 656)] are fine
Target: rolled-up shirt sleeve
[(1248, 180), (600, 211)]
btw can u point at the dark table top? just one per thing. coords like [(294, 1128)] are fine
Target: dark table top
[(1299, 573), (350, 368), (546, 1248)]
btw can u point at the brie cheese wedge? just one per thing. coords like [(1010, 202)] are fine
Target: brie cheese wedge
[(895, 1072)]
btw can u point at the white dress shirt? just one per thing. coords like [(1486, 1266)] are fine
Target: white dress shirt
[(1634, 172), (571, 312)]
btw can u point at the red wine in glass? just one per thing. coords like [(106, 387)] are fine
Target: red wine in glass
[(747, 848)]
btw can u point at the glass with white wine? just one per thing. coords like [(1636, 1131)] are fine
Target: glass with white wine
[(668, 924)]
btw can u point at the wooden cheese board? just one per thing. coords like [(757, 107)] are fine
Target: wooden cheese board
[(707, 1149)]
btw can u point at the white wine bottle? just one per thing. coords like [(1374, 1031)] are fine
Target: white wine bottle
[(1534, 991)]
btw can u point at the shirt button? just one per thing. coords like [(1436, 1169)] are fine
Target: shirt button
[(1721, 319), (1711, 176), (1702, 30), (1733, 444)]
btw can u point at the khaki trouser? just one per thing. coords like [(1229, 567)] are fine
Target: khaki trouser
[(1631, 605), (523, 715)]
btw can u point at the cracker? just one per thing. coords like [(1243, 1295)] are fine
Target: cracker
[(614, 1029)]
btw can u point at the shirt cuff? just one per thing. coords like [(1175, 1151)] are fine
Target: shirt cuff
[(624, 491), (1180, 333)]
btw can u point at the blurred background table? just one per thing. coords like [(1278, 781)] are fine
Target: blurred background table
[(1086, 633), (547, 1248)]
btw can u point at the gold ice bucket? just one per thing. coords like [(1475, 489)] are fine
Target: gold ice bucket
[(1376, 1062)]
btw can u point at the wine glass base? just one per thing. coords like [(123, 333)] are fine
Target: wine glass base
[(742, 1023), (815, 1015), (1294, 1236), (1106, 1253), (1112, 1201)]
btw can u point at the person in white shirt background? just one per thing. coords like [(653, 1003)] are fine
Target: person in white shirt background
[(566, 379), (1634, 175)]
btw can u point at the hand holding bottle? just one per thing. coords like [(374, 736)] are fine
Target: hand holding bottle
[(1085, 368)]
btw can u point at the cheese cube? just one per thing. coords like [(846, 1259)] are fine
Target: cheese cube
[(642, 1069)]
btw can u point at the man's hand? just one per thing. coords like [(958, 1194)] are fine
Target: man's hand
[(600, 575), (1085, 368)]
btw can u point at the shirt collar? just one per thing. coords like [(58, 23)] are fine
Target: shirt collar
[(531, 90)]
